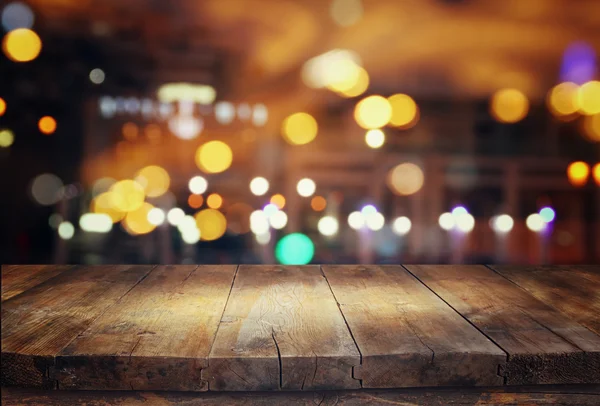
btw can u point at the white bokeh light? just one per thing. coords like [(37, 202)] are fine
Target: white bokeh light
[(259, 222), (502, 223), (198, 185), (328, 226), (402, 225), (375, 221), (66, 230), (175, 215), (306, 187), (465, 222), (356, 220), (278, 220), (259, 186), (95, 222), (446, 221), (156, 216), (263, 239), (535, 222)]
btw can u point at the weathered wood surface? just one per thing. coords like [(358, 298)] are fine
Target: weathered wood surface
[(17, 279), (41, 321), (573, 289), (407, 336), (539, 395), (282, 329), (157, 337), (544, 346)]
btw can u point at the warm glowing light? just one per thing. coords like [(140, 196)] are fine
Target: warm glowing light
[(171, 92), (464, 222), (278, 220), (198, 185), (66, 230), (156, 216), (130, 131), (6, 138), (359, 87), (136, 221), (535, 222), (591, 127), (186, 127), (295, 249), (214, 157), (127, 195), (46, 189), (404, 111), (259, 222), (195, 201), (175, 215), (373, 112), (259, 186), (47, 125), (186, 224), (346, 12), (405, 179), (2, 107), (21, 45), (154, 179), (97, 76), (502, 223), (402, 225), (260, 115), (191, 236), (306, 187), (211, 223), (563, 99), (299, 128), (446, 221), (324, 69), (589, 97), (328, 226), (214, 201), (375, 138), (375, 221), (509, 105), (318, 203), (596, 173), (102, 204), (356, 220), (95, 223), (263, 239), (278, 200), (346, 75), (578, 173)]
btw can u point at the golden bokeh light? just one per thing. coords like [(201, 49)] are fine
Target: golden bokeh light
[(405, 179), (318, 203), (130, 131), (238, 218), (375, 138), (278, 200), (404, 111), (360, 86), (214, 201), (214, 157), (591, 127), (596, 173), (126, 195), (102, 204), (22, 45), (563, 99), (346, 75), (154, 179), (195, 201), (299, 128), (509, 106), (2, 107), (578, 173), (136, 222), (47, 125), (211, 223), (6, 138), (373, 112), (589, 97)]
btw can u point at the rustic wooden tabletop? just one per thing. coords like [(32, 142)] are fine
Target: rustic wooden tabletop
[(298, 328)]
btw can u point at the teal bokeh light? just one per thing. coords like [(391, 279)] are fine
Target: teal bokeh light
[(295, 249)]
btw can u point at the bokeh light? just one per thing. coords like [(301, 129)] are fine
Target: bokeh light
[(328, 226), (214, 157), (259, 222), (589, 97), (195, 201), (259, 186), (405, 179), (191, 236), (368, 209), (102, 185), (459, 211), (373, 112), (224, 112), (375, 138), (97, 76), (502, 223), (270, 209), (535, 222), (6, 138), (46, 189), (509, 105), (548, 214), (127, 195), (446, 221), (591, 127), (346, 76), (130, 131), (596, 173), (66, 231), (156, 216), (306, 187), (136, 221), (238, 217), (198, 185), (2, 107), (318, 203), (175, 215), (263, 239), (211, 223), (356, 220), (47, 125), (578, 173), (375, 221), (17, 15), (278, 200), (102, 204), (563, 99), (299, 128), (154, 179), (402, 225), (360, 86), (346, 12), (294, 249), (21, 45), (54, 220), (464, 222), (404, 111), (95, 223), (214, 201), (278, 220)]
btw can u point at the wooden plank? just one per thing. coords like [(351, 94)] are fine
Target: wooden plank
[(40, 322), (282, 329), (17, 279), (574, 290), (543, 345), (528, 395), (408, 336), (157, 337)]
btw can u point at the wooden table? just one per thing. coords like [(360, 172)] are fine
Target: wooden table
[(302, 329)]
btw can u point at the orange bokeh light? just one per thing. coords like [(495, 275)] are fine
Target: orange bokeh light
[(578, 173), (596, 173), (318, 203), (214, 201), (130, 131), (47, 125), (278, 200), (2, 106), (195, 201)]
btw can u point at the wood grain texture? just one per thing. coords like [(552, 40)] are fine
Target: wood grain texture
[(574, 290), (41, 321), (544, 346), (408, 336), (538, 395), (282, 329), (18, 278), (157, 337)]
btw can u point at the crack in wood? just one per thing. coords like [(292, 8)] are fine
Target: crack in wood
[(279, 358)]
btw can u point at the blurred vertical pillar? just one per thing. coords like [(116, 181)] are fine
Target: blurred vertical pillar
[(61, 252), (166, 252), (433, 201), (511, 207)]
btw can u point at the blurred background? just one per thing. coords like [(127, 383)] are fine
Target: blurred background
[(314, 131)]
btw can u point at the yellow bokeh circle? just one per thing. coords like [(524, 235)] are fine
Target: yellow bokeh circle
[(127, 195), (578, 173), (136, 222), (22, 45), (509, 106), (404, 111), (405, 179), (214, 201), (47, 125), (589, 97), (299, 128), (563, 99), (214, 157), (211, 223), (373, 112), (360, 86), (154, 179), (102, 204)]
